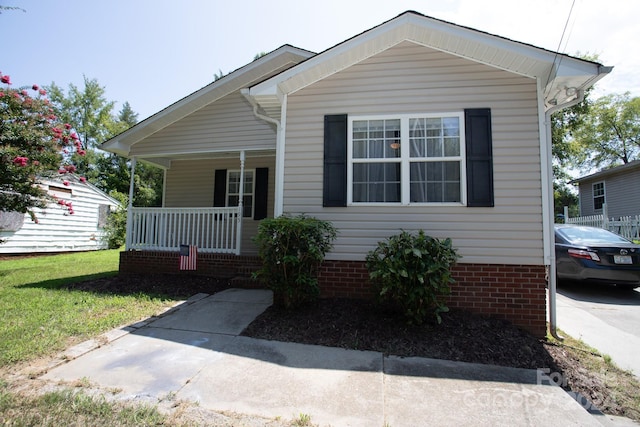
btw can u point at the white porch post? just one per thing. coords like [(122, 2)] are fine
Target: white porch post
[(240, 204), (130, 204)]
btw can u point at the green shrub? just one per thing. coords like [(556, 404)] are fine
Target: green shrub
[(115, 229), (414, 273), (291, 250)]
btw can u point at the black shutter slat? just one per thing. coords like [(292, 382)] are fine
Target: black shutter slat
[(335, 161), (479, 153), (220, 188), (261, 193)]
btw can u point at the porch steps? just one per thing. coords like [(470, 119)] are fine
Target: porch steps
[(244, 279)]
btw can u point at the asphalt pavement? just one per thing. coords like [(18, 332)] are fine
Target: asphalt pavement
[(194, 353)]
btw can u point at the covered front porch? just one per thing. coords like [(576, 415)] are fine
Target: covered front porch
[(214, 202)]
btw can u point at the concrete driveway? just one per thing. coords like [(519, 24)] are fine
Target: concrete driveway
[(604, 317)]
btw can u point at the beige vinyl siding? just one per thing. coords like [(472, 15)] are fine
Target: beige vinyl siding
[(56, 230), (190, 183), (413, 79), (227, 124)]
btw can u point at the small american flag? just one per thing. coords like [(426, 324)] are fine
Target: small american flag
[(188, 255)]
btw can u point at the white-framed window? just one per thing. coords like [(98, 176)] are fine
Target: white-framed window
[(406, 159), (598, 195), (233, 190)]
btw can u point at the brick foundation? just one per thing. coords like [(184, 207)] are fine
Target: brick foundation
[(513, 292)]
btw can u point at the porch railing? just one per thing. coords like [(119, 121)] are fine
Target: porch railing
[(210, 229)]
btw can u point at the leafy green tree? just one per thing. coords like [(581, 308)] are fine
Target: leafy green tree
[(610, 134), (564, 124), (91, 113), (87, 109), (34, 144), (114, 172)]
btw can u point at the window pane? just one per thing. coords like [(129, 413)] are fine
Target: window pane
[(392, 192), (247, 204), (376, 182), (451, 126), (434, 182), (434, 147), (452, 171), (417, 148), (392, 149), (360, 172), (360, 129), (376, 149), (434, 192), (452, 147), (434, 171), (418, 192), (452, 192), (416, 128), (359, 192), (392, 129), (598, 202), (376, 129), (359, 149)]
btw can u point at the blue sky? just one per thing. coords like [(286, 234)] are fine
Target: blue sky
[(152, 53)]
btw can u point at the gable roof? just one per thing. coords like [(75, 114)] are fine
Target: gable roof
[(608, 172), (289, 69), (564, 78), (274, 62)]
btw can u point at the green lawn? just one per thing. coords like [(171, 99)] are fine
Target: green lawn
[(40, 316)]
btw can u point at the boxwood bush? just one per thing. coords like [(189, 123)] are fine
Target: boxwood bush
[(292, 249), (413, 272)]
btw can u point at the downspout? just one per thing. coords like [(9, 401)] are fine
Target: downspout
[(548, 211), (548, 220), (127, 245), (549, 229), (280, 139)]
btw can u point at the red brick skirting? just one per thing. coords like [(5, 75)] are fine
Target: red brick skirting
[(513, 292)]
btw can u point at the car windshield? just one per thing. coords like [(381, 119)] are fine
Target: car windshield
[(590, 236)]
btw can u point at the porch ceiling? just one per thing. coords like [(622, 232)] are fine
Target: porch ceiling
[(563, 77), (164, 161)]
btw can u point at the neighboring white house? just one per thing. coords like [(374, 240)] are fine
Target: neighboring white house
[(57, 230)]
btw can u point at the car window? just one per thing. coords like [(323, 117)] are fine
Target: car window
[(590, 236)]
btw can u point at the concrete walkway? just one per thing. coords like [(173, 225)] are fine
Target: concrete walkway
[(194, 353)]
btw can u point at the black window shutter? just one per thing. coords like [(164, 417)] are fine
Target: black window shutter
[(479, 153), (335, 161), (261, 193), (220, 188)]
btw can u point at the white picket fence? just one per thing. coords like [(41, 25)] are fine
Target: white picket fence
[(626, 226)]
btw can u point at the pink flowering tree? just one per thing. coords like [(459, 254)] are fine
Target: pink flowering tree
[(34, 145)]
